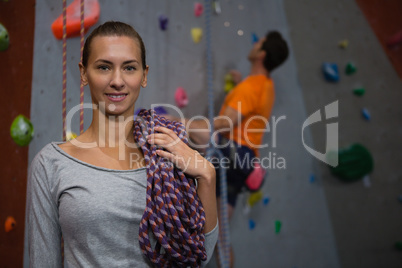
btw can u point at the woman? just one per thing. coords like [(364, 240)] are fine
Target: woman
[(109, 193)]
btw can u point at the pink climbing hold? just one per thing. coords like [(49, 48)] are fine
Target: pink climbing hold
[(255, 180), (198, 9), (181, 97)]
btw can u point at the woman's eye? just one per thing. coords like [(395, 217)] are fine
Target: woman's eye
[(130, 68), (103, 67)]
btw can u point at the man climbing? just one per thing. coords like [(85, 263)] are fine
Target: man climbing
[(243, 116)]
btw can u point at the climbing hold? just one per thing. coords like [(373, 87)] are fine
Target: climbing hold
[(229, 83), (395, 40), (354, 163), (251, 224), (163, 22), (196, 34), (198, 9), (278, 225), (330, 71), (254, 198), (70, 136), (160, 110), (343, 44), (21, 130), (254, 38), (366, 181), (4, 38), (312, 178), (73, 27), (350, 68), (366, 114), (10, 224), (398, 245), (255, 180), (359, 91), (246, 209), (265, 201), (181, 97), (217, 7)]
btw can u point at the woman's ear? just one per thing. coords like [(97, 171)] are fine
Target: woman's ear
[(144, 80), (83, 74)]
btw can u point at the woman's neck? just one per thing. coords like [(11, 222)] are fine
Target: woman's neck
[(110, 131)]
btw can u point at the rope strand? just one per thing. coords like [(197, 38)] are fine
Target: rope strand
[(82, 32), (64, 92)]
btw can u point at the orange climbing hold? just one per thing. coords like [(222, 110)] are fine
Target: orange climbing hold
[(10, 224), (91, 12)]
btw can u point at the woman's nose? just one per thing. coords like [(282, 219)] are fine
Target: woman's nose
[(117, 81)]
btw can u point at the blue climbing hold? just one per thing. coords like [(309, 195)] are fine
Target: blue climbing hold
[(312, 178), (163, 22), (254, 38), (265, 201), (251, 224), (330, 71), (366, 114)]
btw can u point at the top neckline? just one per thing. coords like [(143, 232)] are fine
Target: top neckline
[(62, 152)]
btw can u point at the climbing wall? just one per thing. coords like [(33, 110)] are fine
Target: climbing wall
[(296, 201), (15, 84)]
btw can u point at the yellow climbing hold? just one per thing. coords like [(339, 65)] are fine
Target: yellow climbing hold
[(196, 34), (229, 83), (343, 44), (254, 198), (70, 136)]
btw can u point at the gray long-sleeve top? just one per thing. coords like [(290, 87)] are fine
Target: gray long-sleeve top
[(98, 211)]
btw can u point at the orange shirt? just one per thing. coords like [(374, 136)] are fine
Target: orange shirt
[(253, 98)]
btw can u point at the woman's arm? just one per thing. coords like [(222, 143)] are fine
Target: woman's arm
[(44, 233)]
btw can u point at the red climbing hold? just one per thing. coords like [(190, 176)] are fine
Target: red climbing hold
[(73, 27), (10, 224)]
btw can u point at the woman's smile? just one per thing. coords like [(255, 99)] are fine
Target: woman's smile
[(116, 97)]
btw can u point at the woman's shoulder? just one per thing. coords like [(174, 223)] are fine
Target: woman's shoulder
[(48, 155)]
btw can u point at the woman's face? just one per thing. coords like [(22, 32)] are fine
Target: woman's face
[(114, 74)]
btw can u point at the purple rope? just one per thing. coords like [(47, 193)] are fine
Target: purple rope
[(173, 212)]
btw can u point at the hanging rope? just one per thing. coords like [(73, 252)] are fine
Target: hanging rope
[(173, 210), (224, 237), (82, 32), (64, 97)]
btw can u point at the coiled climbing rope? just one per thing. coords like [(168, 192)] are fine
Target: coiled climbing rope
[(173, 210)]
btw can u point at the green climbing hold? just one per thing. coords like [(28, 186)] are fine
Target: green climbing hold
[(278, 225), (350, 68), (359, 91), (21, 130), (354, 163), (398, 245), (4, 39)]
